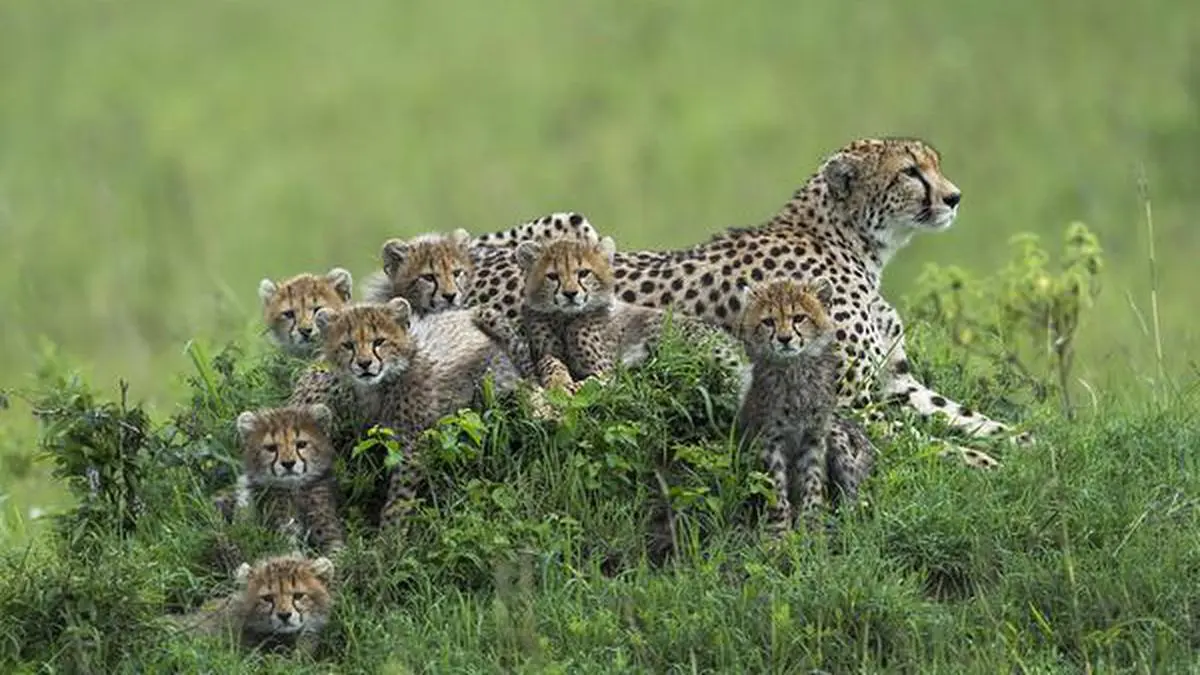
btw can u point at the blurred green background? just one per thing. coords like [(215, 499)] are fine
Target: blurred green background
[(158, 158)]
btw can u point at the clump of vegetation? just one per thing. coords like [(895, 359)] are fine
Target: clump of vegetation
[(624, 536)]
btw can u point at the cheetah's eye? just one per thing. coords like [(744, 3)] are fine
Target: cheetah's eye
[(268, 598), (290, 315), (583, 274), (316, 308), (272, 448), (428, 278), (912, 171), (458, 273), (768, 322), (799, 319), (552, 276), (300, 445), (378, 342), (348, 346), (297, 597)]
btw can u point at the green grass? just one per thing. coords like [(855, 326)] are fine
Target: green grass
[(541, 547), (157, 159)]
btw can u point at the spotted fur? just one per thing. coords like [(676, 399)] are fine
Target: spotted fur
[(290, 306), (288, 461), (404, 375), (552, 226), (790, 405), (284, 601), (433, 272), (577, 329), (844, 224)]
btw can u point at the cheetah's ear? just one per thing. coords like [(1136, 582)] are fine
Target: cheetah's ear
[(401, 311), (323, 568), (322, 415), (242, 573), (822, 289), (343, 283), (608, 246), (393, 254), (266, 290), (841, 173), (527, 253), (461, 238), (246, 422), (323, 318)]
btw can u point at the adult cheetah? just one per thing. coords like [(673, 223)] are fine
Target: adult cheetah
[(845, 223)]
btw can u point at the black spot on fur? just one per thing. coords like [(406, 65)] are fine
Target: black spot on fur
[(706, 279), (647, 287), (629, 296), (576, 219), (938, 401)]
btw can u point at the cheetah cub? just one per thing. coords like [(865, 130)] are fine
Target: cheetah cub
[(288, 458), (434, 272), (575, 326), (282, 602), (290, 307), (789, 405), (403, 375)]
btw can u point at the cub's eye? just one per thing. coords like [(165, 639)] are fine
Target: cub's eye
[(300, 445), (272, 448), (316, 308), (768, 322), (552, 276), (428, 278), (268, 598), (378, 342), (348, 346), (912, 171), (583, 274), (799, 319), (297, 597), (289, 314), (459, 273)]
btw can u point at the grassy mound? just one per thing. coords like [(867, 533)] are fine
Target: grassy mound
[(625, 538)]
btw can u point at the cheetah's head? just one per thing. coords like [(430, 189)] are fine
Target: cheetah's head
[(786, 319), (891, 188), (286, 595), (288, 446), (290, 307), (368, 342), (568, 275), (433, 271)]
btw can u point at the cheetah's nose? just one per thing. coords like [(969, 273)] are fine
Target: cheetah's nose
[(570, 295), (287, 464), (364, 364), (284, 617), (450, 297), (784, 339), (952, 199), (305, 332)]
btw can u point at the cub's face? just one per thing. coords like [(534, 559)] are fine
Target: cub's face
[(568, 276), (368, 342), (433, 272), (290, 307), (287, 594), (898, 182), (784, 319), (286, 446)]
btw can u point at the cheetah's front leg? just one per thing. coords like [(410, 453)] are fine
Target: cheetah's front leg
[(779, 515), (811, 460)]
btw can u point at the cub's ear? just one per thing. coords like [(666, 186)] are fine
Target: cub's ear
[(822, 289), (266, 290), (393, 254), (461, 238), (246, 423), (401, 311), (527, 253), (323, 568), (842, 173), (343, 283), (324, 318), (608, 246), (322, 415), (242, 573)]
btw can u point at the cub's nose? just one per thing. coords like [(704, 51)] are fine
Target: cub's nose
[(284, 617), (952, 199), (305, 332), (288, 464), (364, 364), (570, 295)]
